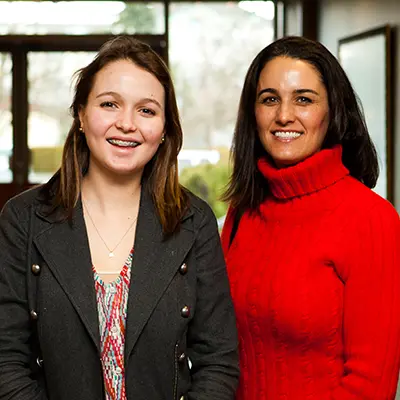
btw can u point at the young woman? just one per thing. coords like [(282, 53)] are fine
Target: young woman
[(112, 278)]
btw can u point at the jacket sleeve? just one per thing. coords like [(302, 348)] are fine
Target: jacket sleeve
[(370, 270), (16, 377), (212, 335)]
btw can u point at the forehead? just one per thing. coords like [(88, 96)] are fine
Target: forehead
[(286, 72), (124, 77)]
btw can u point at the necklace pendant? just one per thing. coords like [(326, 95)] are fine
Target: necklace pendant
[(111, 254)]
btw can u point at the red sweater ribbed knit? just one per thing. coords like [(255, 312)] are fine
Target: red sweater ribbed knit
[(316, 287)]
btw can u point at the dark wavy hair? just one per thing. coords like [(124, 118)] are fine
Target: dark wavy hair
[(247, 188), (161, 172)]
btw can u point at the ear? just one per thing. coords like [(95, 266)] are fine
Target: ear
[(81, 115)]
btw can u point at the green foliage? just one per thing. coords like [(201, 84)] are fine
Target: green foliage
[(135, 18), (208, 181)]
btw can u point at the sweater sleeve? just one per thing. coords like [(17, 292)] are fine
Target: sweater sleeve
[(370, 270)]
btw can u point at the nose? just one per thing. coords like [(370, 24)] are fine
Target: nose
[(125, 122), (285, 113)]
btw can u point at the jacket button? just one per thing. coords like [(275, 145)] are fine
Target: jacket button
[(33, 315), (183, 268), (35, 269), (182, 357), (185, 312)]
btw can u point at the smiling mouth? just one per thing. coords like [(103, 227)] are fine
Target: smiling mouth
[(123, 143), (286, 134)]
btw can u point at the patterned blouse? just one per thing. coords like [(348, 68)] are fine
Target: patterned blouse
[(112, 303)]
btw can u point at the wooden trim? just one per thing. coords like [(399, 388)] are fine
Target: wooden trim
[(68, 42), (376, 31), (19, 107), (310, 11)]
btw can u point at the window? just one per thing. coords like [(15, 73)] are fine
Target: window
[(50, 95), (211, 46), (80, 17)]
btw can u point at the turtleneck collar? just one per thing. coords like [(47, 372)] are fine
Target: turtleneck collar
[(313, 174)]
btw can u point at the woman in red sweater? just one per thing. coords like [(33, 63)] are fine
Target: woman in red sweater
[(312, 253)]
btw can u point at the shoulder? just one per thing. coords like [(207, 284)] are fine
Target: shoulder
[(22, 203), (366, 208), (366, 199), (200, 210), (15, 218), (364, 232)]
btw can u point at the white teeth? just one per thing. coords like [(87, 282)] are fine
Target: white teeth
[(123, 143), (287, 135)]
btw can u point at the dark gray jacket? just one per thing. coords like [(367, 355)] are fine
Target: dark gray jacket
[(49, 331)]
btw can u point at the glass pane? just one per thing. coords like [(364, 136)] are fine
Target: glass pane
[(50, 95), (209, 67), (81, 17), (6, 132)]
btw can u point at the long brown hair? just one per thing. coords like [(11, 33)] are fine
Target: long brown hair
[(160, 175)]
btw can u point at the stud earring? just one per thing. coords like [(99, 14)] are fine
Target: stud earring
[(162, 139), (81, 129)]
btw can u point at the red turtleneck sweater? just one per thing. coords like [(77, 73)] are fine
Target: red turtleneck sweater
[(316, 287)]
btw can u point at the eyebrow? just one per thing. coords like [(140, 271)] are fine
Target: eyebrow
[(298, 91), (144, 100)]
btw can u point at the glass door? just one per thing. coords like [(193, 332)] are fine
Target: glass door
[(50, 93)]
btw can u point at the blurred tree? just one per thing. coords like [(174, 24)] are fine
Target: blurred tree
[(135, 18), (208, 181), (211, 47)]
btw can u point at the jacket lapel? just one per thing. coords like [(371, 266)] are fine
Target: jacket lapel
[(65, 249), (154, 265)]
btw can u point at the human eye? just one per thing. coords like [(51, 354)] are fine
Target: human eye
[(147, 111), (304, 100), (108, 104), (269, 100)]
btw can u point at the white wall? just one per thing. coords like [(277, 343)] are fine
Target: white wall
[(342, 18)]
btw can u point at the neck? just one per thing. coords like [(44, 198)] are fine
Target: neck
[(110, 193)]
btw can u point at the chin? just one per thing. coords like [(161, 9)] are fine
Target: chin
[(125, 171), (285, 162)]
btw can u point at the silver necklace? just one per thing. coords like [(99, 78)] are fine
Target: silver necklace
[(110, 251)]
